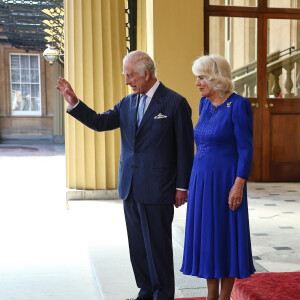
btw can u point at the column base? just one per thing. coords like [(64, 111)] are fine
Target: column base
[(81, 195)]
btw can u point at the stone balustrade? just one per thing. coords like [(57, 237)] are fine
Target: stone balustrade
[(283, 75)]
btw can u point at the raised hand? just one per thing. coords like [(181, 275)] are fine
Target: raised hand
[(66, 90)]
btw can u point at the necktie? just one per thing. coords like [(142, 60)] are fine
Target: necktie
[(141, 109)]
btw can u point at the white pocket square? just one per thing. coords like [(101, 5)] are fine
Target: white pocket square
[(160, 116)]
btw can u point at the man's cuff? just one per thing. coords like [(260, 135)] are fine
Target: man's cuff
[(179, 189), (70, 107)]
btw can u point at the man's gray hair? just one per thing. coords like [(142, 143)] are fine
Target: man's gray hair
[(142, 62)]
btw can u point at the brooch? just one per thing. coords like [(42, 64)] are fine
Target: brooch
[(228, 104)]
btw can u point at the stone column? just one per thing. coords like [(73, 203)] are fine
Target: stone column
[(95, 45)]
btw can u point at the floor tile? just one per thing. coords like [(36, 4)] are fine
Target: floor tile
[(259, 234), (256, 258), (282, 248), (286, 227)]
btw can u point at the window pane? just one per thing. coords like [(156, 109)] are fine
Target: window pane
[(15, 75), (16, 88), (34, 75), (235, 39), (15, 96), (283, 58), (234, 2), (25, 76), (24, 61), (284, 3), (35, 104), (35, 90), (34, 63), (15, 61), (25, 105), (25, 89)]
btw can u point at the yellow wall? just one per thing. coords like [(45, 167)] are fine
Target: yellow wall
[(174, 38)]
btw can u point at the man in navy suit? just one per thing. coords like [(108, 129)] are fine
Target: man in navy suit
[(157, 149)]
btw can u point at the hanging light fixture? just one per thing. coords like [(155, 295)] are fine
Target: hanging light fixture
[(55, 31), (51, 54)]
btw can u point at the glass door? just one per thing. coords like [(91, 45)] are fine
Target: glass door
[(261, 41), (282, 108)]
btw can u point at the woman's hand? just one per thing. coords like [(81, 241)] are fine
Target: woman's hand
[(236, 194), (66, 90)]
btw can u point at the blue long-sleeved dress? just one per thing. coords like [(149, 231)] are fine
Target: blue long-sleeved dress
[(217, 239)]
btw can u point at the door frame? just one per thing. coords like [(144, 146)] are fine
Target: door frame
[(261, 114)]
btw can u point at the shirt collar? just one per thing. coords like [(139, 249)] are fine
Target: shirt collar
[(151, 92)]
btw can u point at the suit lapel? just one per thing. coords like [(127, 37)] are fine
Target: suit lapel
[(133, 113), (153, 107)]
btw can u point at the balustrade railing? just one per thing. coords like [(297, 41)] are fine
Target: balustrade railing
[(283, 75)]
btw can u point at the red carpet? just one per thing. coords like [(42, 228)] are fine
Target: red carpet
[(265, 286)]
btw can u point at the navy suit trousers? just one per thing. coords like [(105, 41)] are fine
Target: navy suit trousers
[(149, 229)]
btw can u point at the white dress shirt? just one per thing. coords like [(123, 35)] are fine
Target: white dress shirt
[(149, 95)]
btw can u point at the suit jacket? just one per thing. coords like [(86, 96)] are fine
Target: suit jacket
[(157, 157)]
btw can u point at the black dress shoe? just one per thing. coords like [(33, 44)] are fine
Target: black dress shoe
[(141, 298)]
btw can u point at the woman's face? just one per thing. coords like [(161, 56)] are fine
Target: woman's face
[(203, 86)]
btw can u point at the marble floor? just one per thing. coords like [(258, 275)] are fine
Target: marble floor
[(49, 252)]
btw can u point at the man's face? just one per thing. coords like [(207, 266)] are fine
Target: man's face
[(137, 82)]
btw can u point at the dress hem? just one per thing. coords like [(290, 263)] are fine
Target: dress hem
[(217, 277)]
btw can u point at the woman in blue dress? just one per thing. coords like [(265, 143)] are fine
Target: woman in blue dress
[(217, 238)]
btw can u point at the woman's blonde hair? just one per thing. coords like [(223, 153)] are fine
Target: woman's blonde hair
[(217, 72)]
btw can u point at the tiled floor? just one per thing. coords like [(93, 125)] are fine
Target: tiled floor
[(274, 210), (49, 253)]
